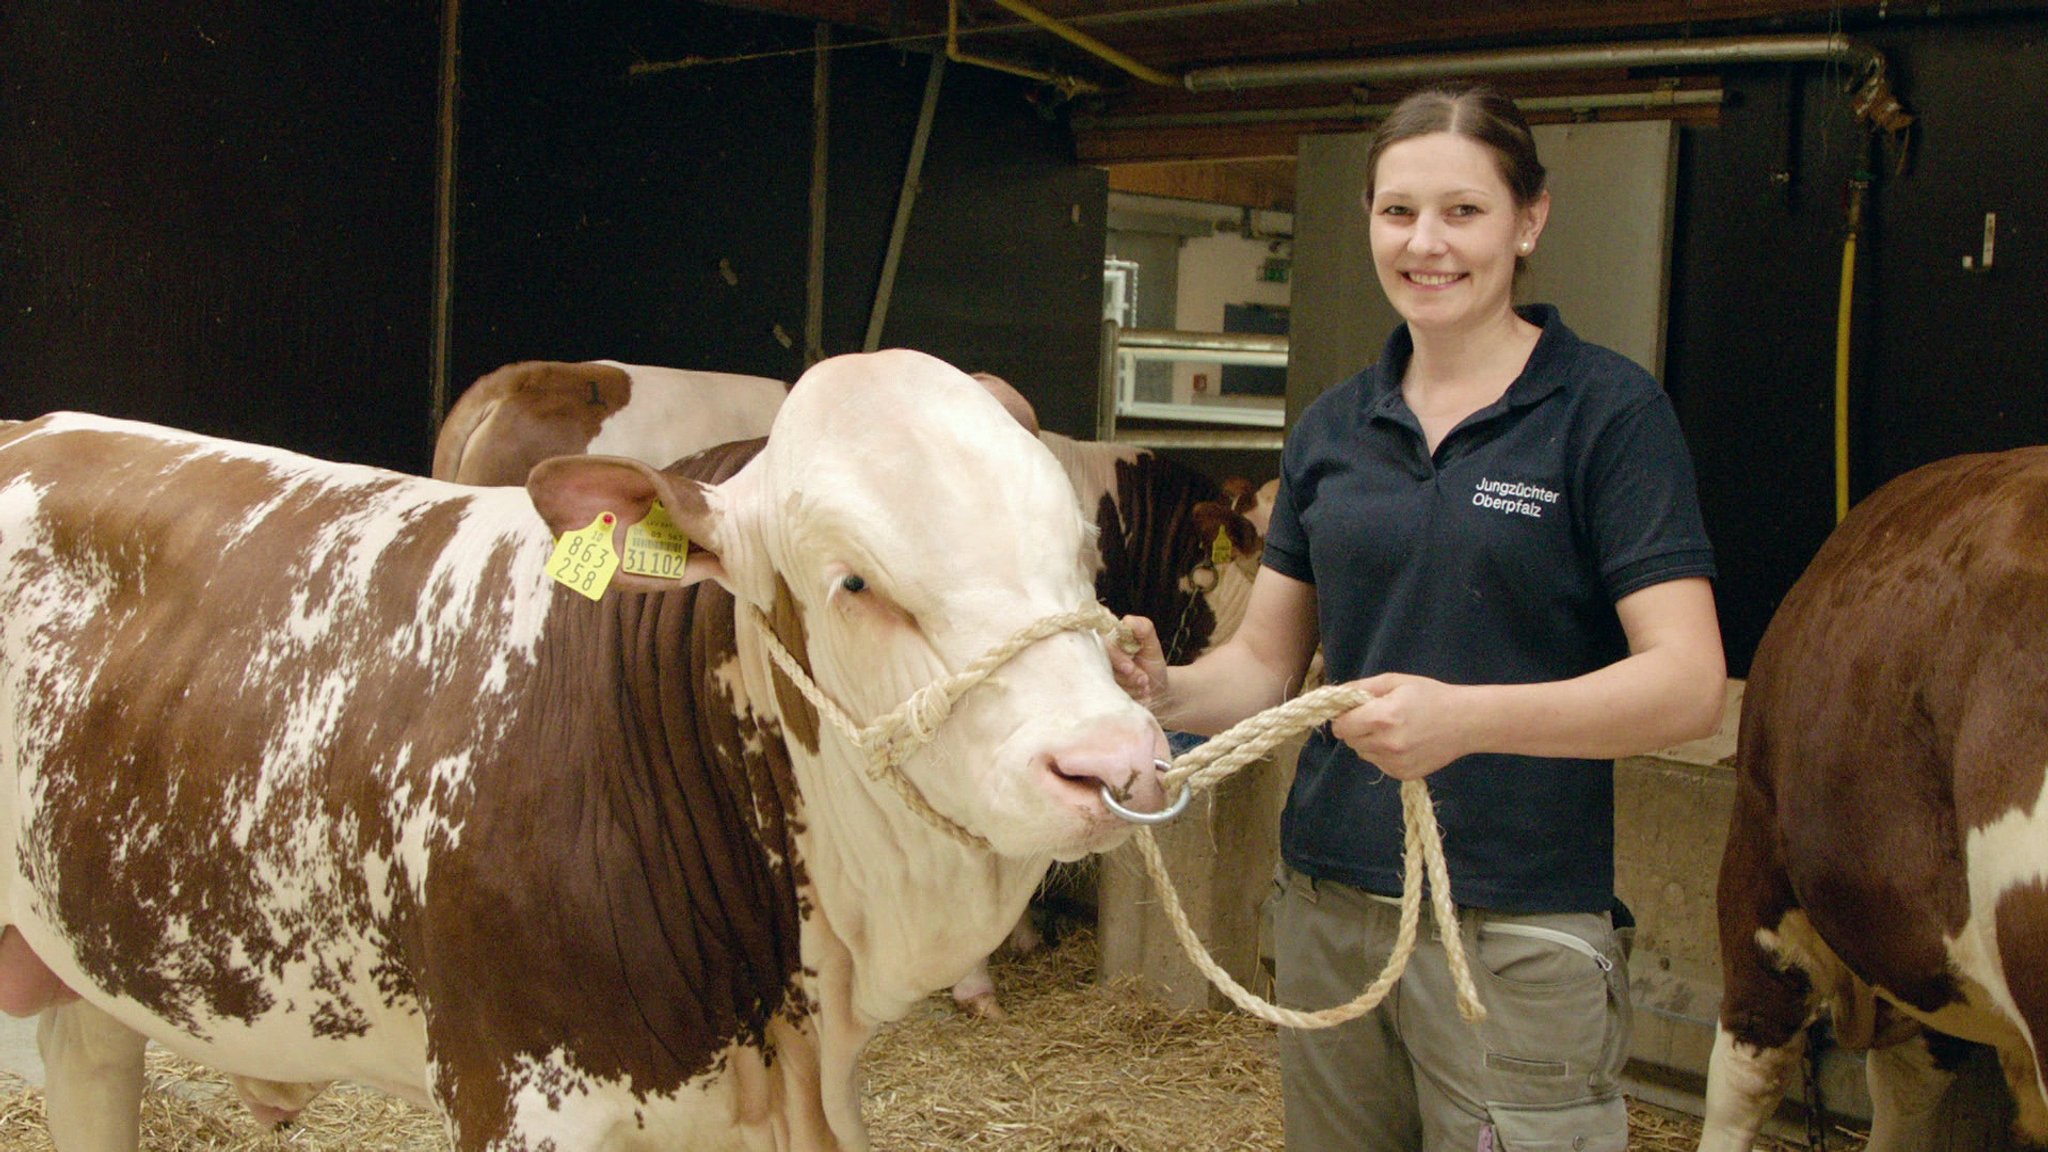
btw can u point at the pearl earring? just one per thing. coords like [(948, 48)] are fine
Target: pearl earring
[(1526, 246)]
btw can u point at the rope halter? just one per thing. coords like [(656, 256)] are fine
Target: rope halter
[(894, 737)]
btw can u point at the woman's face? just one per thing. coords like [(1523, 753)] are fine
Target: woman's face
[(1446, 230)]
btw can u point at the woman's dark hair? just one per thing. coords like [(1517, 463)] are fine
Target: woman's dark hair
[(1473, 110)]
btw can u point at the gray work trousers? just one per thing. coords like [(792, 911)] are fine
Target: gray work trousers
[(1540, 1073)]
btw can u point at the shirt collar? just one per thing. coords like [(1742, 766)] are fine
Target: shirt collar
[(1540, 376)]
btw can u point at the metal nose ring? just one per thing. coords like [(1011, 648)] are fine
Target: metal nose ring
[(1172, 810)]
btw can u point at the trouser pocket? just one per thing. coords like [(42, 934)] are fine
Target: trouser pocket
[(1596, 1125), (1556, 1001)]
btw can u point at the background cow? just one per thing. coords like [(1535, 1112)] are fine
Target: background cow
[(1178, 548), (1887, 860), (312, 772), (521, 414)]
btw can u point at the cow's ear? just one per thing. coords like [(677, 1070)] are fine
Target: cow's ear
[(571, 492), (1013, 401), (1212, 516)]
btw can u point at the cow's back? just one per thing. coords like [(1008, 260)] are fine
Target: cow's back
[(1143, 506), (520, 414), (331, 754), (202, 643), (1900, 677)]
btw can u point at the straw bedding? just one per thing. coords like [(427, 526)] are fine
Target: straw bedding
[(1078, 1067)]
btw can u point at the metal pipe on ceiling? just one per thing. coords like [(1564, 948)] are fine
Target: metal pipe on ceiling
[(1068, 84), (1661, 98), (1648, 54), (1193, 11)]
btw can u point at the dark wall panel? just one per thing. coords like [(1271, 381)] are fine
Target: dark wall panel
[(1944, 361), (1002, 269), (221, 221), (655, 219), (665, 217), (1956, 359)]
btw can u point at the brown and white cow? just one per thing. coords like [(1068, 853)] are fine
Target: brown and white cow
[(1887, 860), (312, 772), (1157, 520), (520, 414)]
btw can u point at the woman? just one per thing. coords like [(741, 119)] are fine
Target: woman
[(1494, 530)]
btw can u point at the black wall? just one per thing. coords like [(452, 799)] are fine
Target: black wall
[(665, 218), (221, 218), (224, 220), (1944, 360)]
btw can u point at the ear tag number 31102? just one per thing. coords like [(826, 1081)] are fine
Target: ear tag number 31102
[(656, 546)]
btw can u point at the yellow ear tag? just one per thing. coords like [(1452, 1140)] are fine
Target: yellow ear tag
[(585, 559), (1220, 551), (656, 546)]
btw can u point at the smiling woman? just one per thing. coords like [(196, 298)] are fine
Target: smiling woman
[(1492, 531)]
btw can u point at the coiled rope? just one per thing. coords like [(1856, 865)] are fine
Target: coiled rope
[(892, 738), (1206, 764)]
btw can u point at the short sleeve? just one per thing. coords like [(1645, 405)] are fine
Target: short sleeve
[(1642, 514)]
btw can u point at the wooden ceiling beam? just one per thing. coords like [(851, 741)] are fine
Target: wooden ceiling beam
[(1262, 184)]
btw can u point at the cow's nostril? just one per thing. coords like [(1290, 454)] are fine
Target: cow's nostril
[(1121, 771)]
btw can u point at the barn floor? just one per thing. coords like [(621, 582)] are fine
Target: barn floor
[(1078, 1067), (18, 1050)]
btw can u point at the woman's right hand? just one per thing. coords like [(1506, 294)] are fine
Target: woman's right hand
[(1142, 674)]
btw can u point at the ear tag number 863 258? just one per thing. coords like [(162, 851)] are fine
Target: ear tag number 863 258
[(585, 559)]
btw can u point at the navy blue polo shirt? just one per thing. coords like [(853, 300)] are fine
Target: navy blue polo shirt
[(1497, 560)]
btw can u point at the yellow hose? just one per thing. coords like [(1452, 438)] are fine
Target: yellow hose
[(1854, 225), (1842, 378)]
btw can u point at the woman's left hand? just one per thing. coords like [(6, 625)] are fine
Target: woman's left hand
[(1410, 728)]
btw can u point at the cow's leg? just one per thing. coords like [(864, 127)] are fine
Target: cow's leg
[(1906, 1081), (1744, 1085), (2022, 1076), (2022, 942), (92, 1079), (976, 991), (1765, 1003)]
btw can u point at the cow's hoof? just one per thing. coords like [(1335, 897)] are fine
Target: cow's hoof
[(271, 1119), (984, 1006)]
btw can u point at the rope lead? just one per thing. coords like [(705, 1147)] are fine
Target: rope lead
[(893, 737), (1246, 741)]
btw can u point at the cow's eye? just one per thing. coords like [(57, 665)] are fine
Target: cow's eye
[(854, 584)]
